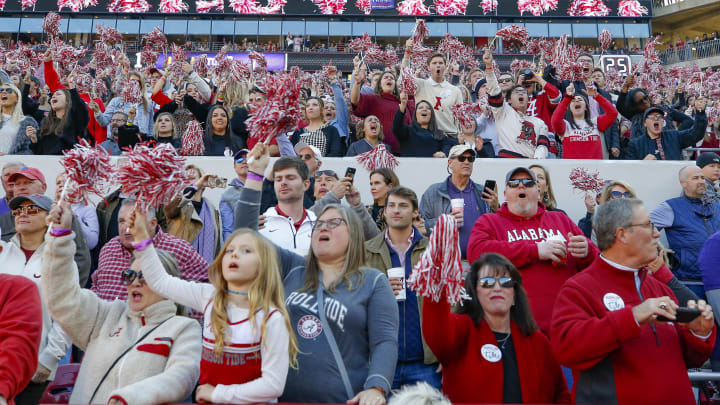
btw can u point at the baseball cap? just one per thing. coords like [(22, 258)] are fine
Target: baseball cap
[(706, 158), (239, 154), (479, 84), (37, 199), (302, 145), (652, 110), (458, 150), (29, 172), (517, 170), (154, 70)]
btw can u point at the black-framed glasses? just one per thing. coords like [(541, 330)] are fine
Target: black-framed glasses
[(463, 158), (330, 173), (331, 223), (505, 80), (27, 210), (128, 277), (489, 282), (620, 194), (515, 183), (649, 225)]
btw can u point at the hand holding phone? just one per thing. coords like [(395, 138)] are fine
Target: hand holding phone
[(682, 315), (350, 172)]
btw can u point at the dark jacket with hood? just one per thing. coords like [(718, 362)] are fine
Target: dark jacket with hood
[(627, 106)]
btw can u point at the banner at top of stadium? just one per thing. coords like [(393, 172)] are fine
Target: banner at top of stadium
[(473, 8)]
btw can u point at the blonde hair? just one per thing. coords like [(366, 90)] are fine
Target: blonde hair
[(354, 256), (156, 133), (17, 114), (199, 171), (605, 194), (266, 292), (236, 94)]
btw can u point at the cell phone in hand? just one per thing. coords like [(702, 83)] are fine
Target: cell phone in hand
[(217, 182), (682, 315), (350, 172), (489, 184)]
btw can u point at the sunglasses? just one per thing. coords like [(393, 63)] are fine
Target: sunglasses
[(463, 158), (27, 210), (6, 90), (514, 183), (128, 277), (620, 194), (505, 80), (241, 159), (306, 156), (489, 282), (331, 223), (330, 173)]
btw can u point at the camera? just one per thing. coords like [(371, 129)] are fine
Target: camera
[(528, 74)]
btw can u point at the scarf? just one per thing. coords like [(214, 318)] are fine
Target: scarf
[(204, 243)]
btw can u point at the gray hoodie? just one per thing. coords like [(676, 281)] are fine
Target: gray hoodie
[(363, 320)]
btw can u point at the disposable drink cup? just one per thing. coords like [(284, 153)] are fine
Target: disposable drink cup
[(398, 272), (457, 204)]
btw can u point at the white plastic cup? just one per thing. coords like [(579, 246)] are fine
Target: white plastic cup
[(457, 204), (398, 272)]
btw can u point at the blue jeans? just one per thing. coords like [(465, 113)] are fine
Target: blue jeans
[(411, 373)]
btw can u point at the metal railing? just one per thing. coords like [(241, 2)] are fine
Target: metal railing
[(690, 52)]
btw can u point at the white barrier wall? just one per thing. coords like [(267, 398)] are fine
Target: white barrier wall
[(653, 181)]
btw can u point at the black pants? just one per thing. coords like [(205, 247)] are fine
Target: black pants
[(31, 394)]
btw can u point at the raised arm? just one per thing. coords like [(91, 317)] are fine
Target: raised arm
[(608, 118), (558, 117)]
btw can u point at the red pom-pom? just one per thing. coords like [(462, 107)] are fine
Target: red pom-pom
[(450, 7), (154, 176), (513, 32), (131, 92), (155, 40), (378, 157), (605, 38), (466, 113), (203, 6), (412, 7), (536, 7), (192, 140), (439, 271), (89, 170), (331, 6), (108, 35), (631, 8), (489, 6), (584, 180), (420, 31), (364, 6), (173, 6), (456, 51), (51, 24), (200, 65), (588, 8), (281, 111)]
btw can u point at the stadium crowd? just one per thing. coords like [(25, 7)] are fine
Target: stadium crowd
[(286, 292)]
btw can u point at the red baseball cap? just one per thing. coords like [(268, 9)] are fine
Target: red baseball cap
[(29, 172)]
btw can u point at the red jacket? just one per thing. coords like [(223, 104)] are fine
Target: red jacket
[(543, 104), (614, 359), (516, 238), (469, 378), (98, 132), (20, 331), (583, 143)]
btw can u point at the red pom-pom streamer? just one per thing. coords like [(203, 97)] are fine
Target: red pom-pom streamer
[(200, 65), (203, 6), (412, 7), (131, 92), (536, 7), (259, 59), (129, 6), (457, 52), (466, 113), (51, 24), (331, 6), (489, 6), (364, 6), (439, 270), (27, 4), (173, 6), (631, 8), (108, 35), (378, 157), (605, 38), (156, 40), (588, 8), (407, 81), (192, 140), (513, 32), (586, 181), (154, 176), (281, 111), (450, 7), (89, 170), (420, 31), (361, 44)]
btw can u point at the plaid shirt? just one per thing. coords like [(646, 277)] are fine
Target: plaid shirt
[(115, 258)]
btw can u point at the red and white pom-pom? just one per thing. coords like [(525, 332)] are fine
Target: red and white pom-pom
[(156, 39), (331, 6), (244, 6), (466, 113), (420, 31), (281, 112), (89, 170), (530, 6), (51, 24), (179, 56), (173, 6), (99, 88), (192, 140), (149, 57), (586, 181), (73, 5), (108, 35), (361, 44), (273, 7), (450, 7), (259, 61), (129, 6), (489, 6), (631, 8), (588, 8), (605, 39), (513, 32), (378, 157), (412, 7), (200, 65), (27, 4), (364, 6), (203, 6), (131, 92), (154, 176), (439, 271), (406, 83), (2, 5)]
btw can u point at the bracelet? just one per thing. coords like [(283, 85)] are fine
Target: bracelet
[(57, 232), (254, 176), (140, 246)]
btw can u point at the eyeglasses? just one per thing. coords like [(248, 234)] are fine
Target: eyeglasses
[(331, 223), (620, 194), (489, 282), (655, 117), (519, 91), (506, 80), (330, 173), (241, 158), (649, 225), (306, 156), (128, 277), (6, 90), (515, 183), (463, 158), (27, 210)]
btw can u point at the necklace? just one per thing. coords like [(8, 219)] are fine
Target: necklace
[(504, 341), (236, 292)]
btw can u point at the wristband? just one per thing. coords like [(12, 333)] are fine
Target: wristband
[(57, 232), (255, 176), (140, 246)]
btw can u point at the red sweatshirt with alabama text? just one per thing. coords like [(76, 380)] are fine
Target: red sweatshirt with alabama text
[(516, 238)]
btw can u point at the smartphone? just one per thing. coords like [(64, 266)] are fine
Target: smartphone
[(682, 315), (489, 184), (217, 182), (350, 172)]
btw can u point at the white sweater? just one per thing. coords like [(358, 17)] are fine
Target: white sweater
[(104, 330), (274, 348)]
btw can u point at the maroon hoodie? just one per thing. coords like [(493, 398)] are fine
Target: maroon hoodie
[(516, 238)]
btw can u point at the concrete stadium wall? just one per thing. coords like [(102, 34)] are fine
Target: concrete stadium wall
[(653, 181)]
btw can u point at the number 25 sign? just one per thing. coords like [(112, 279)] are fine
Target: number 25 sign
[(620, 62)]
